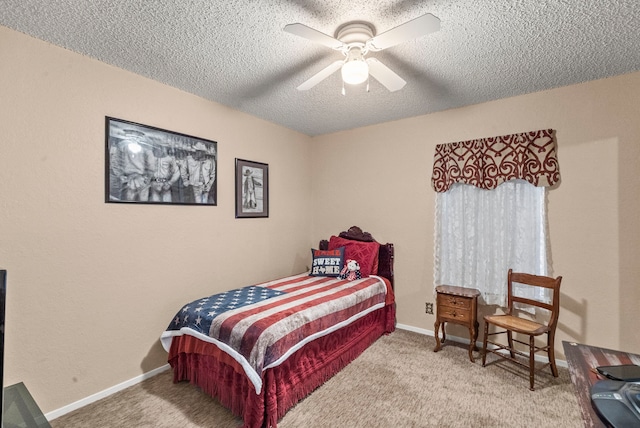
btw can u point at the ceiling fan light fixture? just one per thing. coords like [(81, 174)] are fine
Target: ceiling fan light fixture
[(355, 70)]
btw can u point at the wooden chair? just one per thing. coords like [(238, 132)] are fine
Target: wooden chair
[(512, 323)]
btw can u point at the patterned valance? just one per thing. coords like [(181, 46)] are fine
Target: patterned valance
[(489, 162)]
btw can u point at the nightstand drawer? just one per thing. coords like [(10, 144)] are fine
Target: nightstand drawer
[(454, 314), (454, 301)]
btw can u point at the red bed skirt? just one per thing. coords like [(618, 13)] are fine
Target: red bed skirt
[(220, 376)]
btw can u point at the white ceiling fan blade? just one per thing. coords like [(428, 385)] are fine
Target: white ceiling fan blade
[(413, 29), (385, 75), (319, 77), (313, 35)]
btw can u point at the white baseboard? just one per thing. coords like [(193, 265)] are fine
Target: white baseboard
[(539, 358), (102, 394)]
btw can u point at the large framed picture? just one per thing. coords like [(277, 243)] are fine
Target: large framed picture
[(252, 189), (153, 166)]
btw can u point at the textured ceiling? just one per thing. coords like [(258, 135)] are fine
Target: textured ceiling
[(234, 52)]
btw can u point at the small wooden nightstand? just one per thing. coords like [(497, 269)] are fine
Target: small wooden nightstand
[(458, 305)]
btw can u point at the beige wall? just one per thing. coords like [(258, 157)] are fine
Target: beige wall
[(593, 213), (92, 285)]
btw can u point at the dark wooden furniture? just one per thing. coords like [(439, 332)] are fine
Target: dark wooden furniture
[(582, 361), (458, 305), (511, 323)]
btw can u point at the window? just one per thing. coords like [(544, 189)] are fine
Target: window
[(491, 210), (481, 234)]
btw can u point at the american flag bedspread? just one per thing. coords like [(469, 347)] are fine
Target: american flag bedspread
[(260, 326)]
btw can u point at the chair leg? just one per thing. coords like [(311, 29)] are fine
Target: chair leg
[(484, 343), (551, 353), (532, 367), (510, 339)]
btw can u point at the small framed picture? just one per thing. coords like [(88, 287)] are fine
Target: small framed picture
[(148, 165), (252, 189)]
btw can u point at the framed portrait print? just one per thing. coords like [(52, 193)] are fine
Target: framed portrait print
[(148, 165), (252, 189)]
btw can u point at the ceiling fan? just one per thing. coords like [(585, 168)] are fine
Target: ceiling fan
[(355, 40)]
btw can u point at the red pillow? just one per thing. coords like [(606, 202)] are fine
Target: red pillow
[(365, 253)]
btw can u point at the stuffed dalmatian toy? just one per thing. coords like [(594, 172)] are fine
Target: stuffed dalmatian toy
[(351, 270)]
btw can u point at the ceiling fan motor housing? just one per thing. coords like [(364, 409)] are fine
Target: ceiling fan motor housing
[(355, 34)]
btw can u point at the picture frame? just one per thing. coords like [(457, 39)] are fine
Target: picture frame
[(149, 165), (252, 189)]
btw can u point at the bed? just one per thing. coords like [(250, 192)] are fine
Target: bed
[(261, 349)]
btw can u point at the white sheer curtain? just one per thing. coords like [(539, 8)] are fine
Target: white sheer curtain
[(481, 234)]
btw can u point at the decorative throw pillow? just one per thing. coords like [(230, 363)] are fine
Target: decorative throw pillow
[(327, 262), (366, 253)]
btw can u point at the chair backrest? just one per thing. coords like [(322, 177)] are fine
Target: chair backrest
[(536, 281)]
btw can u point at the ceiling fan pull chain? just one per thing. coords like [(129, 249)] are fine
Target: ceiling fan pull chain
[(367, 83), (343, 91)]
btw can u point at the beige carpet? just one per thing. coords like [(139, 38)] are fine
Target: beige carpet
[(398, 382)]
